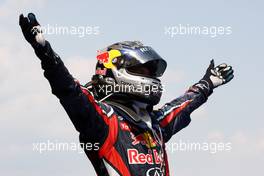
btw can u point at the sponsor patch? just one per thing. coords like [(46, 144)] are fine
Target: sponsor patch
[(134, 157), (154, 172), (144, 139)]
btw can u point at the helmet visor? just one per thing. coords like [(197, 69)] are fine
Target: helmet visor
[(153, 68), (145, 61)]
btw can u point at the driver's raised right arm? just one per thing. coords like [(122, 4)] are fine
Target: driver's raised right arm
[(89, 117)]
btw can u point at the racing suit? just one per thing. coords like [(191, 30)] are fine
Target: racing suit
[(126, 147)]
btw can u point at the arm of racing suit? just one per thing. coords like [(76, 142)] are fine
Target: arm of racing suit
[(175, 115), (89, 117), (85, 113)]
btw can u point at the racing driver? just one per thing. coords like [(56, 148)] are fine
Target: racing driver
[(115, 109)]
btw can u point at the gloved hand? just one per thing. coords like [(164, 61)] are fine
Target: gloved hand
[(31, 30), (216, 76)]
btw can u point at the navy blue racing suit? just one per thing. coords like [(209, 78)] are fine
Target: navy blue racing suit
[(126, 147)]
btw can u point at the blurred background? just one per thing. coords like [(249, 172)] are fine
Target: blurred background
[(233, 114)]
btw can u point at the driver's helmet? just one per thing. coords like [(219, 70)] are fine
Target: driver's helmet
[(131, 69)]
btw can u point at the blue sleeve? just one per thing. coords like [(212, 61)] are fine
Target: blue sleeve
[(175, 115), (87, 115)]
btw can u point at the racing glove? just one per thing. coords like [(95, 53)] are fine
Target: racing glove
[(217, 76), (33, 34), (31, 30)]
